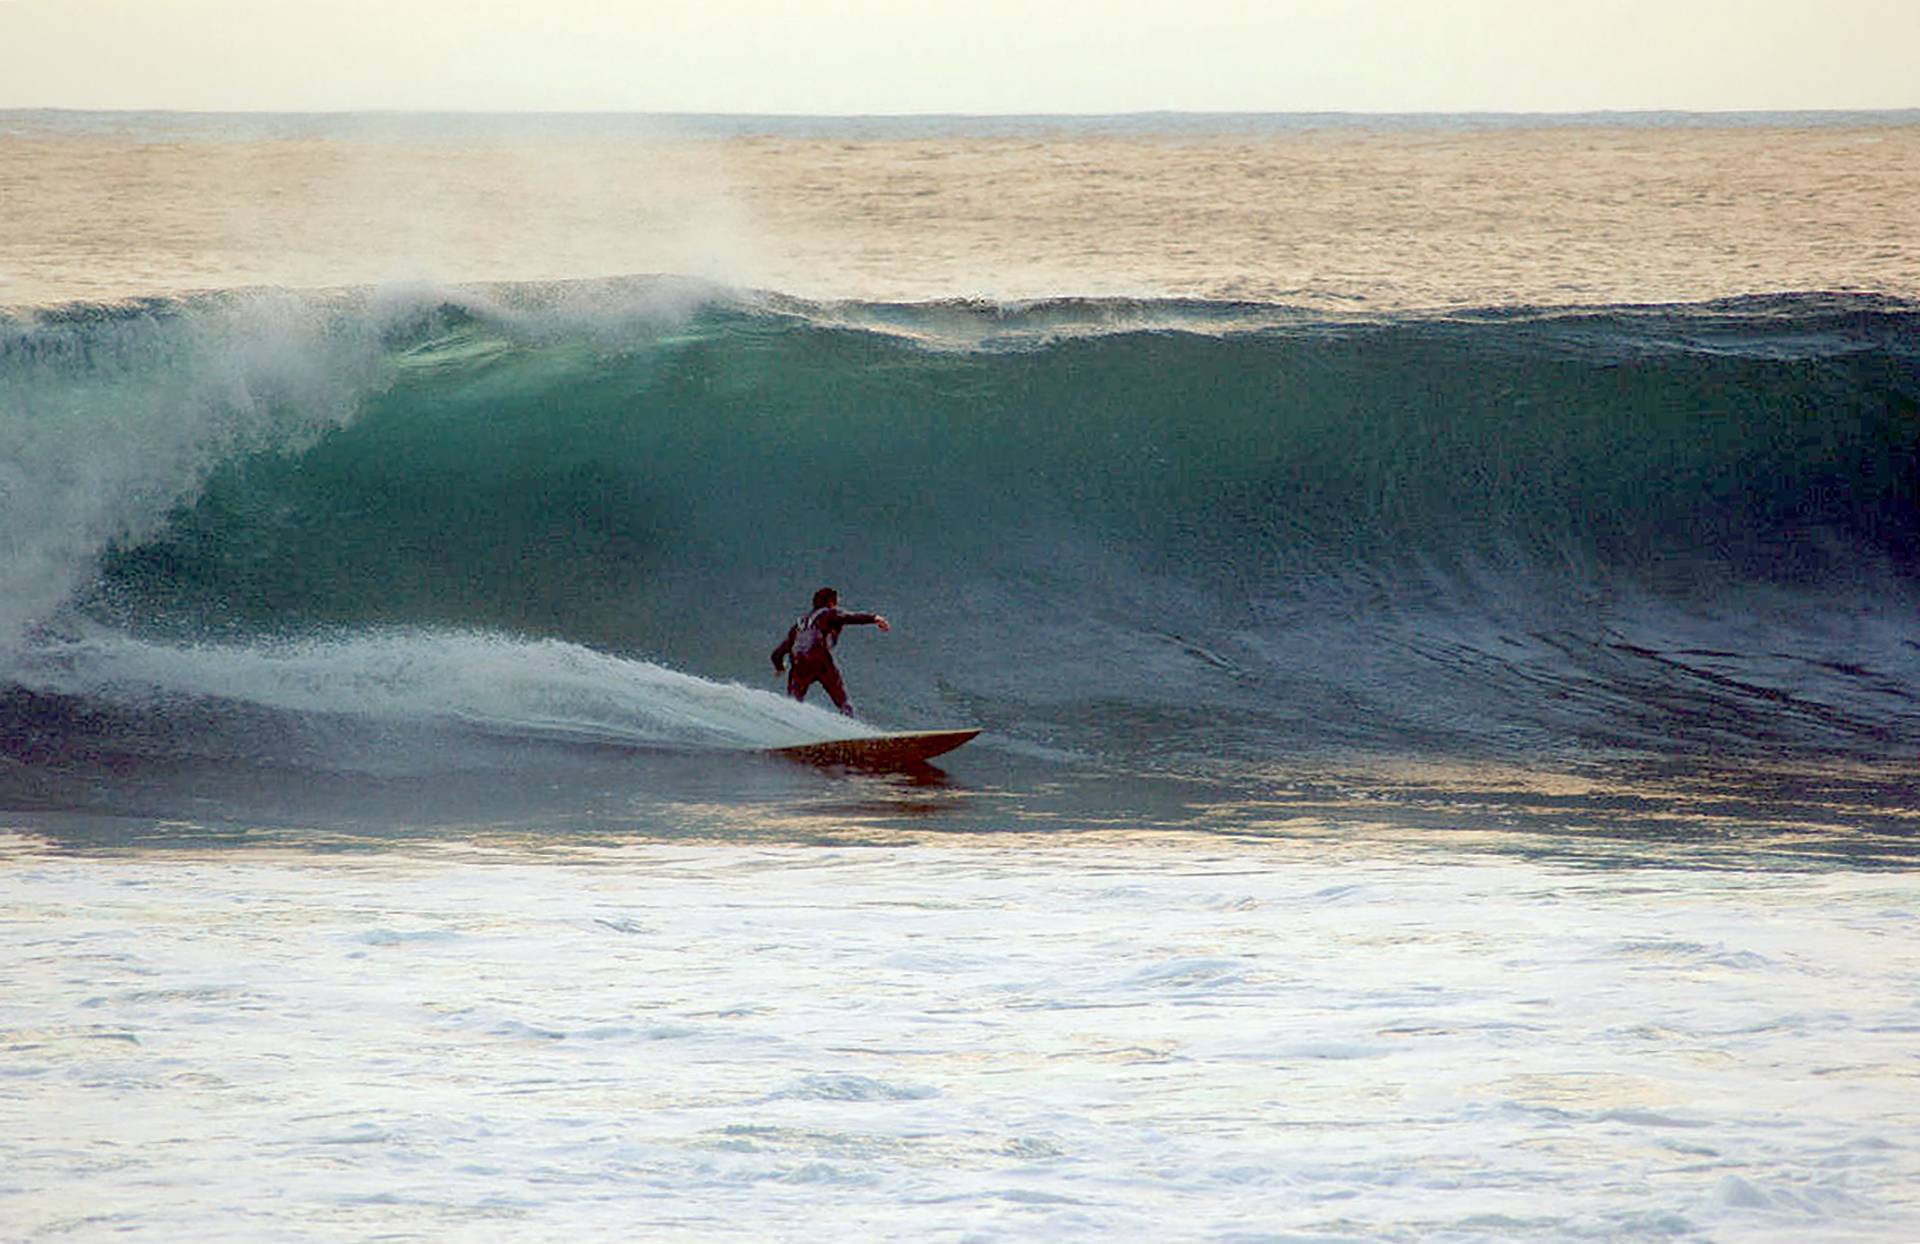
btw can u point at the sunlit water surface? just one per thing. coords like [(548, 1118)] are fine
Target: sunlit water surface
[(1403, 1006)]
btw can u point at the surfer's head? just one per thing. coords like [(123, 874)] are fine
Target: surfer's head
[(824, 597)]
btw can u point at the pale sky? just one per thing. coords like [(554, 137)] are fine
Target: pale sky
[(976, 56)]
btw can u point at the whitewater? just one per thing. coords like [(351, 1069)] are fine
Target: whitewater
[(1437, 593)]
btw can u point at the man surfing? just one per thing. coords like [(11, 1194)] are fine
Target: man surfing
[(809, 644)]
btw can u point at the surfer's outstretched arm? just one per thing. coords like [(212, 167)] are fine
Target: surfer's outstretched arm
[(864, 619)]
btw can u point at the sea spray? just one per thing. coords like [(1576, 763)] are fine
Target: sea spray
[(492, 684)]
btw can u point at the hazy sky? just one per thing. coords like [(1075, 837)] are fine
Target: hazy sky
[(893, 56)]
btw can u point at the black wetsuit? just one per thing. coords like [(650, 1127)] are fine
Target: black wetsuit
[(810, 643)]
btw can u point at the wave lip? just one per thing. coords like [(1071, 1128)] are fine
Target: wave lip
[(111, 417)]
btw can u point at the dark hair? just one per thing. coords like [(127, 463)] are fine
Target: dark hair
[(824, 597)]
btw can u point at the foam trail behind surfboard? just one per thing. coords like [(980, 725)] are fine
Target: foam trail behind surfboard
[(513, 687)]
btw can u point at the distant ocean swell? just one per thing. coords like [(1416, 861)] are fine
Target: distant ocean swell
[(1154, 529)]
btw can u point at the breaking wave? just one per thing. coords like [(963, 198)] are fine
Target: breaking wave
[(1152, 528)]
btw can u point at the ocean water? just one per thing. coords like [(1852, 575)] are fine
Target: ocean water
[(1439, 597)]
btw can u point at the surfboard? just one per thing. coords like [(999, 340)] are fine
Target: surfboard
[(883, 751)]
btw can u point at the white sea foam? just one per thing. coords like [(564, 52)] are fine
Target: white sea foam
[(671, 1042)]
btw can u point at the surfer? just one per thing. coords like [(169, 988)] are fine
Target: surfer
[(807, 651)]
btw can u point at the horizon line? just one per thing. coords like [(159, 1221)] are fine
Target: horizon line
[(1141, 113)]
